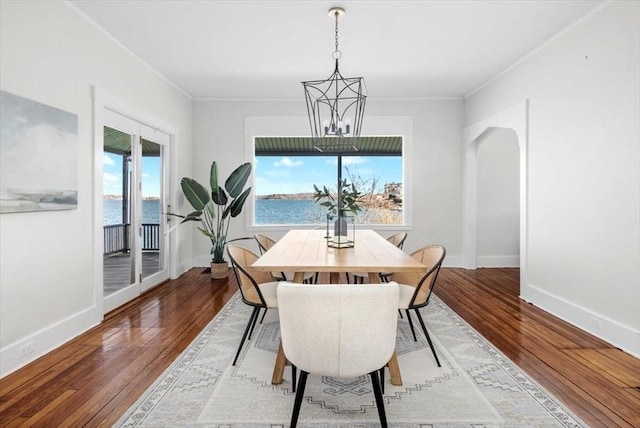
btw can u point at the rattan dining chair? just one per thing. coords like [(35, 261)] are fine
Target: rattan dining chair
[(258, 289), (416, 288), (264, 243), (396, 239), (355, 339)]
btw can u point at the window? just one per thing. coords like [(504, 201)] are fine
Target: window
[(287, 168)]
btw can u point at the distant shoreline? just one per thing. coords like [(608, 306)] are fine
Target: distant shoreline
[(119, 197), (288, 196)]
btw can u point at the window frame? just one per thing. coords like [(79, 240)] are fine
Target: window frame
[(264, 126)]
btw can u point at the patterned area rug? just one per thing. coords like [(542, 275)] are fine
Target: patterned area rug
[(477, 386)]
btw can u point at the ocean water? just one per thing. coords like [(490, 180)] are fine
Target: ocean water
[(289, 211), (112, 211), (268, 211)]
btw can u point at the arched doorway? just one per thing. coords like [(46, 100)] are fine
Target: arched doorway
[(514, 118)]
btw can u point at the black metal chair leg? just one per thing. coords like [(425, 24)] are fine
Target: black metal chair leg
[(254, 314), (400, 312), (293, 378), (255, 321), (382, 378), (263, 314), (375, 382), (298, 401), (415, 339), (426, 334)]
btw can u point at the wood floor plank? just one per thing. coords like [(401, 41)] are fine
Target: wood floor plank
[(93, 379), (539, 351), (608, 366)]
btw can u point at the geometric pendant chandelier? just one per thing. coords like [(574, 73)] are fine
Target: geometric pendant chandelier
[(335, 105)]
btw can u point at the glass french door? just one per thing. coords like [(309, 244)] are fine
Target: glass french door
[(135, 256)]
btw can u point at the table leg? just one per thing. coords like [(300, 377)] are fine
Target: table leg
[(394, 370), (334, 278), (281, 363), (374, 278)]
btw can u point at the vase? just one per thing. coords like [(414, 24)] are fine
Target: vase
[(340, 227), (219, 270)]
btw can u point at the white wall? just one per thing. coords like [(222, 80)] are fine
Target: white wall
[(51, 54), (583, 171), (435, 163), (498, 175)]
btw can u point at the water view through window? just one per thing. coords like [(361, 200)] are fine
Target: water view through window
[(283, 188)]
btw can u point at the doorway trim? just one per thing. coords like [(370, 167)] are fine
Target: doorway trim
[(516, 119), (103, 101)]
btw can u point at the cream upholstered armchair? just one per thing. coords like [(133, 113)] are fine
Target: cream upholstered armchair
[(338, 330)]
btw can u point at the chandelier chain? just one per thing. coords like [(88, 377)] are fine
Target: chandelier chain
[(337, 50)]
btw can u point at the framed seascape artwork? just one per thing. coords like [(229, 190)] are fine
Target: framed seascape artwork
[(38, 156)]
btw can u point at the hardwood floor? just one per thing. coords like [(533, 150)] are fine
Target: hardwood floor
[(596, 381), (93, 379)]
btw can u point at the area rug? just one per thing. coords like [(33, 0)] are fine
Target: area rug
[(476, 387)]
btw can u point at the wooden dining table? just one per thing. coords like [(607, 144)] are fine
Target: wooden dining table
[(302, 251)]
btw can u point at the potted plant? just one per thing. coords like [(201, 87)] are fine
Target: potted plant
[(215, 208), (345, 201)]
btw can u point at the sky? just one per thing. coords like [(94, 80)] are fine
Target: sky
[(298, 174), (282, 174), (112, 175)]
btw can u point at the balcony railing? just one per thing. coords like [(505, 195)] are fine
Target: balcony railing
[(116, 238)]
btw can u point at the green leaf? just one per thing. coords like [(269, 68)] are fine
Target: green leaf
[(211, 209), (238, 203), (238, 178), (219, 197), (195, 193), (206, 232), (213, 176)]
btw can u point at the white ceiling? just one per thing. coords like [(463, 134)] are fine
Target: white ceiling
[(264, 49)]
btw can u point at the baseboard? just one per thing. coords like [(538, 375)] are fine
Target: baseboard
[(452, 261), (181, 268), (498, 261), (618, 335), (24, 351), (202, 261)]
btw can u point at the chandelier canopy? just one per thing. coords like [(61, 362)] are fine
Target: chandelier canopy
[(335, 105)]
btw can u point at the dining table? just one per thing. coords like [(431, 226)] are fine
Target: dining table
[(306, 250)]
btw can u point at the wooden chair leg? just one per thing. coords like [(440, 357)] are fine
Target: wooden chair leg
[(254, 315), (426, 334), (377, 392), (298, 401)]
